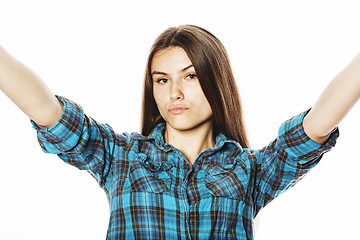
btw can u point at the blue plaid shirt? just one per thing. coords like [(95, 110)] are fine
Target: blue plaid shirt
[(155, 193)]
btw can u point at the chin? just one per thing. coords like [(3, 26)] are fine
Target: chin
[(188, 126), (181, 127)]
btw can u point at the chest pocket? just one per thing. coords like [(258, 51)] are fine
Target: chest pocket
[(146, 176), (227, 180)]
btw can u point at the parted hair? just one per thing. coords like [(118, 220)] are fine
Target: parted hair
[(212, 66)]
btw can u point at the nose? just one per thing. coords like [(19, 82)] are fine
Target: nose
[(176, 91)]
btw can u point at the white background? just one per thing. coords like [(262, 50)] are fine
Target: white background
[(283, 55)]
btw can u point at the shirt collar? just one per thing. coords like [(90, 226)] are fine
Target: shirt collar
[(222, 140), (157, 135)]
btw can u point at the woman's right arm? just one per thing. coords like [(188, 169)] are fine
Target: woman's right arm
[(66, 130), (28, 91)]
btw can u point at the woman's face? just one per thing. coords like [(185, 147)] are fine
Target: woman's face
[(177, 91)]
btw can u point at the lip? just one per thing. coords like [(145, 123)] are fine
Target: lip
[(178, 109)]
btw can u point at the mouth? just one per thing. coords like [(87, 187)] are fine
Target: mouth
[(178, 109)]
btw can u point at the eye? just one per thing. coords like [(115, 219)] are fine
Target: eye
[(191, 76), (162, 80)]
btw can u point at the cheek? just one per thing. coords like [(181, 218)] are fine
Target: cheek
[(158, 101), (160, 94), (157, 98), (200, 98), (203, 103)]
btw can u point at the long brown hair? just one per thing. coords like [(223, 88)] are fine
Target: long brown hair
[(212, 66)]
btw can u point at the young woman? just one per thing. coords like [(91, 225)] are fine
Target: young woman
[(190, 174)]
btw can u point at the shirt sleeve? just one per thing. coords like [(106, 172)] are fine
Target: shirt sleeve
[(80, 141), (282, 163)]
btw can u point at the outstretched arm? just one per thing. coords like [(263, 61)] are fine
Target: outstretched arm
[(334, 103), (28, 91)]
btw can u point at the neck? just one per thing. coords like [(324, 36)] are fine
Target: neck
[(190, 142)]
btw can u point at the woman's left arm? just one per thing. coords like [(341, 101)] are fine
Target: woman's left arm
[(334, 103)]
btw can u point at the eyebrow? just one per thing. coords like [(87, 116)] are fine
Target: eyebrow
[(164, 73)]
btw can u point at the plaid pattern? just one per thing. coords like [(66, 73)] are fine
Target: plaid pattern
[(153, 191)]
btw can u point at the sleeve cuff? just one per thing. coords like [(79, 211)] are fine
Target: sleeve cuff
[(65, 133), (298, 145)]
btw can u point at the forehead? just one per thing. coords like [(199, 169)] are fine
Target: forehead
[(170, 58)]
